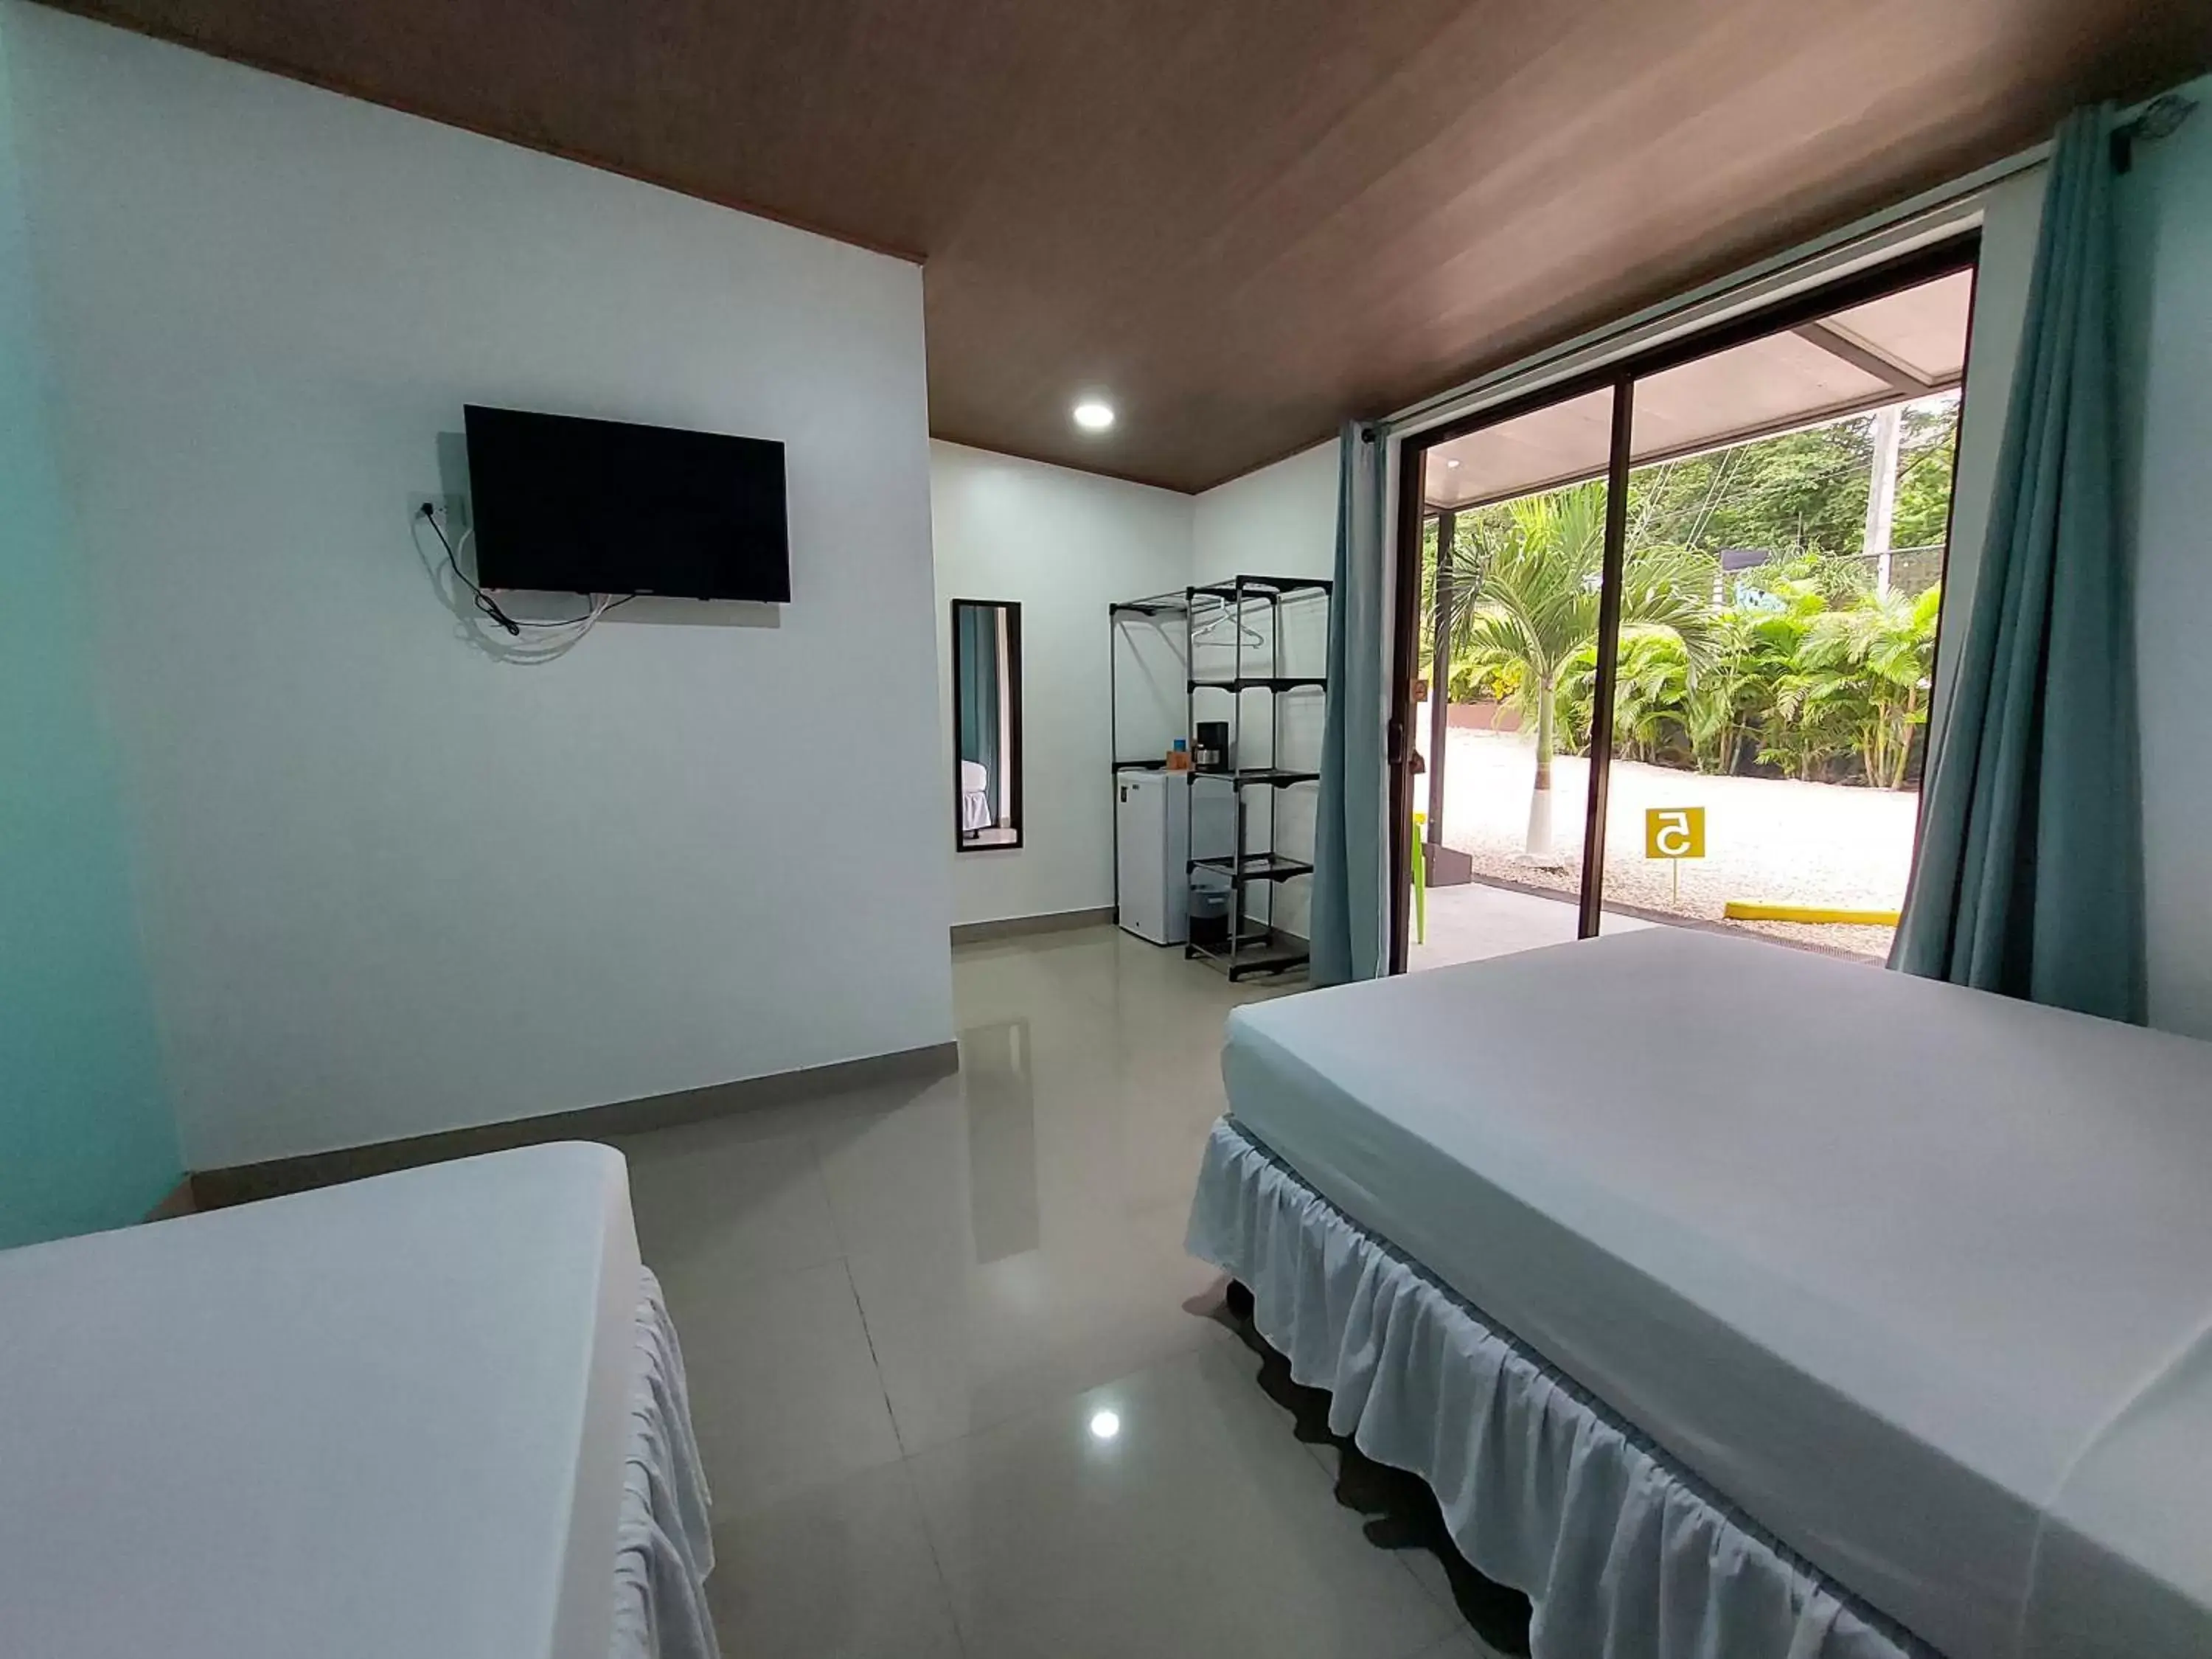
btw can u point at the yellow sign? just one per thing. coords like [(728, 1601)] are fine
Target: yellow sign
[(1674, 832)]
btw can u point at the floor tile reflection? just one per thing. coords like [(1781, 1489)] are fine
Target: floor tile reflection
[(909, 1312), (784, 1393), (1166, 1514), (844, 1568), (1002, 1150)]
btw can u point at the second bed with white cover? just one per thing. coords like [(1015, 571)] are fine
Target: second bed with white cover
[(439, 1412), (1917, 1276)]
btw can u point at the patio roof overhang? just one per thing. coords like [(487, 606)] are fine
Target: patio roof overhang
[(1904, 346)]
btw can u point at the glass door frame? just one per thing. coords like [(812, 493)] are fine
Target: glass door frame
[(1939, 259)]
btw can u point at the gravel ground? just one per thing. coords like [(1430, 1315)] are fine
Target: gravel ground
[(1769, 840)]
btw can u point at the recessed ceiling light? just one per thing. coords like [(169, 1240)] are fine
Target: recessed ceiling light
[(1105, 1425), (1094, 416), (1451, 462)]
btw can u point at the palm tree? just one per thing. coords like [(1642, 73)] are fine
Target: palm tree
[(1525, 599), (1870, 665)]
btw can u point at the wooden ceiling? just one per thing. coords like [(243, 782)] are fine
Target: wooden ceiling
[(1242, 221)]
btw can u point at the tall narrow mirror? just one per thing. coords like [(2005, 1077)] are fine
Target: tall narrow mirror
[(986, 724)]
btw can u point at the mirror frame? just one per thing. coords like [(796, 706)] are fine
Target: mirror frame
[(1012, 678)]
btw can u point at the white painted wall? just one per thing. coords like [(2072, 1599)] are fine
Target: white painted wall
[(87, 1140), (2165, 365), (1063, 546), (393, 886), (1278, 521)]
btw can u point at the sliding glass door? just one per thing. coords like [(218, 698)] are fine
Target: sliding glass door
[(1513, 585), (1666, 653)]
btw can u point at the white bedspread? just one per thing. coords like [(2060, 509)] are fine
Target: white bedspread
[(382, 1420), (665, 1546), (1538, 1486), (1920, 1278), (977, 812)]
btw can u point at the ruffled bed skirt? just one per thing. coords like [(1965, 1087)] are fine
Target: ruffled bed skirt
[(1623, 1556), (665, 1546)]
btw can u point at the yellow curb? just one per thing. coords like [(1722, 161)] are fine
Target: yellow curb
[(1737, 911)]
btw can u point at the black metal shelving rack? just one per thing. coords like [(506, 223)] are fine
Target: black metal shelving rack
[(1250, 870), (1253, 871)]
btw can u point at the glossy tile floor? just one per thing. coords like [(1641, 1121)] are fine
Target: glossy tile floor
[(958, 1388)]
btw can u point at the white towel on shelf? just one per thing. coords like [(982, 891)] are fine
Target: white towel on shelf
[(665, 1547)]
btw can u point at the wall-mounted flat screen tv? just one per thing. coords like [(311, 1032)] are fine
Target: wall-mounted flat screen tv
[(568, 506)]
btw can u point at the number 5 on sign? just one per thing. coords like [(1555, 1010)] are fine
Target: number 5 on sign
[(1674, 832)]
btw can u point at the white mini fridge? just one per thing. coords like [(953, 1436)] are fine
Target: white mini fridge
[(1161, 822)]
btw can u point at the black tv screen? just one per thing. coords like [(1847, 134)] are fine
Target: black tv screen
[(563, 505)]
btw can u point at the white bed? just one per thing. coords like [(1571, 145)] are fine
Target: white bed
[(1914, 1280), (392, 1418), (977, 812)]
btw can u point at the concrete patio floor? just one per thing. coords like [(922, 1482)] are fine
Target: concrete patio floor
[(1470, 922), (1772, 841)]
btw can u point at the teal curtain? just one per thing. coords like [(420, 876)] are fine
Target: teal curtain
[(2029, 879), (976, 661), (1350, 919)]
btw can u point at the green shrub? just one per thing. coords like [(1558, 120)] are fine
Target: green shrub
[(1795, 666)]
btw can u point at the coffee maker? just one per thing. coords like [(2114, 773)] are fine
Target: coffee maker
[(1210, 753)]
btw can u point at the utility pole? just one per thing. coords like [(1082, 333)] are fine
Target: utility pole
[(1881, 491)]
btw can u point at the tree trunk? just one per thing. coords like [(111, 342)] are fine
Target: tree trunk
[(1904, 763), (1537, 848)]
